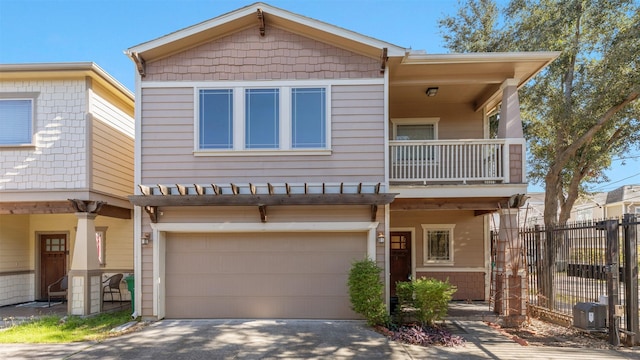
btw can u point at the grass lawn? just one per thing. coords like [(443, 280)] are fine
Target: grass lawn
[(51, 329)]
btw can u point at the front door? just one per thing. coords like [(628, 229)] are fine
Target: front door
[(400, 258), (53, 260)]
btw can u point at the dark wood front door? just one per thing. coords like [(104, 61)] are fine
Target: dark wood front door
[(400, 258), (53, 260)]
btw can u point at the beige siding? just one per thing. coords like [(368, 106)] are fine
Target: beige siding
[(457, 121), (276, 214), (16, 250), (112, 160), (248, 56), (112, 110), (468, 234), (357, 118)]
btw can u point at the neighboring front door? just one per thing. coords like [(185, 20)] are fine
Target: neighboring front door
[(400, 258), (53, 260)]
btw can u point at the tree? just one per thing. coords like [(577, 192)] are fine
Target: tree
[(474, 29), (583, 109)]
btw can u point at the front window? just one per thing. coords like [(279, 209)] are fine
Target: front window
[(415, 129), (262, 120), (216, 119), (16, 119), (438, 243), (262, 114), (410, 133), (308, 118), (415, 132)]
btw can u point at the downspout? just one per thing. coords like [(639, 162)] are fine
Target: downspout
[(137, 210), (387, 207)]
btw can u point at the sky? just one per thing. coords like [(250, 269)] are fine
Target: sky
[(35, 31)]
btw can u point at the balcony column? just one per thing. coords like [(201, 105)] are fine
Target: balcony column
[(85, 275), (510, 297), (510, 124)]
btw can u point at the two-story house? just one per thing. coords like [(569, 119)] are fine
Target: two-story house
[(273, 150), (66, 169)]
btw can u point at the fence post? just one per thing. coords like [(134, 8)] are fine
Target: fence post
[(613, 275), (631, 276)]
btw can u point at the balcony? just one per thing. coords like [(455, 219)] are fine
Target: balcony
[(433, 162)]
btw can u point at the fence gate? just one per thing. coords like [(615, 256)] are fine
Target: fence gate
[(594, 261)]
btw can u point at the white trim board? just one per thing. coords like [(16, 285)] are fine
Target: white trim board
[(266, 83)]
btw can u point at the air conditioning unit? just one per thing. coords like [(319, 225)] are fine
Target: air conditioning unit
[(590, 316)]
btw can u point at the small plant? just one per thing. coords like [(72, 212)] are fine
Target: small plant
[(430, 297), (365, 292), (426, 336)]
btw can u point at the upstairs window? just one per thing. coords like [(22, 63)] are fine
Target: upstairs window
[(308, 118), (415, 129), (262, 118), (216, 119), (286, 118), (16, 121)]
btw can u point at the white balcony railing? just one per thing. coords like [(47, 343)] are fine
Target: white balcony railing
[(448, 161)]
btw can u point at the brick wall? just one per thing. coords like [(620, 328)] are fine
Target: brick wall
[(246, 56), (58, 159), (470, 284)]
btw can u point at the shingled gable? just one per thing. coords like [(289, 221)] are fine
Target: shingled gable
[(258, 15)]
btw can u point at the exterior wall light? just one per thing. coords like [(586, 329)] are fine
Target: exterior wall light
[(146, 237), (380, 237), (432, 91)]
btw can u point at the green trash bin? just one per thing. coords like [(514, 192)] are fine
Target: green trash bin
[(131, 288)]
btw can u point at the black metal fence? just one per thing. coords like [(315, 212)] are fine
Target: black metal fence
[(586, 262)]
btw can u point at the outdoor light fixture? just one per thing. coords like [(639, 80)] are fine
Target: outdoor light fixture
[(380, 237), (432, 91), (146, 237)]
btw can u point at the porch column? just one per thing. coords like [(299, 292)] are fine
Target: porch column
[(510, 124), (85, 274), (510, 298)]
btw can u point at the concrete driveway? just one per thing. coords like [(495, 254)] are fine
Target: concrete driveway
[(228, 339), (292, 339)]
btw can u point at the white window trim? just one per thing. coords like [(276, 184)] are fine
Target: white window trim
[(416, 121), (29, 97), (239, 120), (425, 248)]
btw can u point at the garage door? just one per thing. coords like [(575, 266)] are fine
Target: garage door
[(261, 275)]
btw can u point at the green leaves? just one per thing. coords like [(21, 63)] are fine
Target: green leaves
[(365, 292), (429, 296), (583, 108)]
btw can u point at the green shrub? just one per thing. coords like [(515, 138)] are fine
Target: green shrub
[(365, 292), (430, 298), (404, 292)]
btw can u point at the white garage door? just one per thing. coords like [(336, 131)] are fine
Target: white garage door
[(261, 275)]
